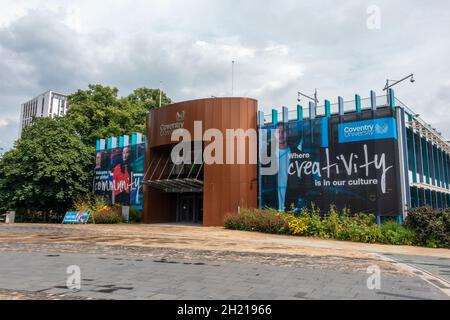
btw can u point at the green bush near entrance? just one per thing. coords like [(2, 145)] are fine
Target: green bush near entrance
[(423, 226)]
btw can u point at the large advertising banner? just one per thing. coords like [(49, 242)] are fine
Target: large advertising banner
[(118, 175), (327, 162)]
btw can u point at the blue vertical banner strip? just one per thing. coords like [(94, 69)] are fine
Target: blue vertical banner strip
[(133, 139), (299, 113), (358, 103), (285, 114), (274, 117), (325, 135), (391, 95), (108, 144), (138, 138), (341, 106), (405, 157), (412, 148), (102, 144), (113, 142), (373, 100), (447, 170), (312, 110), (120, 141), (327, 108), (97, 145)]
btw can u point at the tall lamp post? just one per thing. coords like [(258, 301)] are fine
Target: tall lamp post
[(395, 82), (232, 77), (314, 98), (160, 93)]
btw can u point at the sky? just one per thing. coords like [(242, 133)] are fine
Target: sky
[(280, 47)]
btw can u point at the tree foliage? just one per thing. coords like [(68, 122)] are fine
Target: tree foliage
[(98, 112), (46, 169), (52, 164)]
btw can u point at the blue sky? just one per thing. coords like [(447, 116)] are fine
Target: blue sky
[(280, 47)]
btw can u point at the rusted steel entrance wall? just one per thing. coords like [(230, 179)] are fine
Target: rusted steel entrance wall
[(227, 186)]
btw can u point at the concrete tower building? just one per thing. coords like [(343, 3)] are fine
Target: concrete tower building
[(49, 104)]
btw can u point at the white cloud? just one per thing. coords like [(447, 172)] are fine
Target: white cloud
[(280, 47)]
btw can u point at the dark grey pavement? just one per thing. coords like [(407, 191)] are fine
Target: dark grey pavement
[(125, 277), (439, 267)]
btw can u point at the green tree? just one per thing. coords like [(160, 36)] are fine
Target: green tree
[(98, 112), (149, 98), (47, 168)]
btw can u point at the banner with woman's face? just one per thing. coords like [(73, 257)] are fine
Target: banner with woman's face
[(119, 173)]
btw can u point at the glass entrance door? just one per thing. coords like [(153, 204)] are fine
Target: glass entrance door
[(190, 208), (186, 212)]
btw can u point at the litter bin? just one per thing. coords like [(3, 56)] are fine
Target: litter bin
[(10, 216)]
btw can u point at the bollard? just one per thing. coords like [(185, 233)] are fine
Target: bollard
[(126, 214)]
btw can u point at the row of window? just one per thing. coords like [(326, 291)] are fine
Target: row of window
[(435, 199), (428, 163), (30, 109)]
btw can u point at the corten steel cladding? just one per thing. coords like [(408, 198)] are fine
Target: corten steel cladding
[(226, 186)]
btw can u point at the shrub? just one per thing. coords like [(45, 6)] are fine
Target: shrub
[(101, 212), (424, 226), (268, 221), (393, 233), (298, 226), (90, 203), (107, 215), (432, 227), (135, 215)]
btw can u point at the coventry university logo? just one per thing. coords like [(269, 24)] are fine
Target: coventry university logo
[(180, 116), (373, 129), (381, 128)]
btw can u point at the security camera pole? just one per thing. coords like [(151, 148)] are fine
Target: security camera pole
[(388, 86), (315, 99)]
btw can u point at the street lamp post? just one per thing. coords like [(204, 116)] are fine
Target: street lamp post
[(388, 86), (232, 77), (160, 93), (315, 99)]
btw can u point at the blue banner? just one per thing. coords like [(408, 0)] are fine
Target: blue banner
[(76, 217), (374, 129)]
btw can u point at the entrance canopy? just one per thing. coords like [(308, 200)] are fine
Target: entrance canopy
[(174, 178), (177, 185)]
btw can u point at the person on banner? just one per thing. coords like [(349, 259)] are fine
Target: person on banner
[(276, 187), (121, 179)]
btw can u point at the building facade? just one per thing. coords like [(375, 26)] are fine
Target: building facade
[(49, 104), (197, 192), (370, 155)]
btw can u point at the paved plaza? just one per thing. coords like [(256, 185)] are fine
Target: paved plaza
[(37, 268)]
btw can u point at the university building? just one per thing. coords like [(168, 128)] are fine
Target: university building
[(48, 104), (371, 155)]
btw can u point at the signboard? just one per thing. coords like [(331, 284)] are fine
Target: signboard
[(79, 217), (325, 162), (374, 129), (119, 173)]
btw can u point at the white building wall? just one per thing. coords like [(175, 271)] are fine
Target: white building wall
[(49, 104)]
